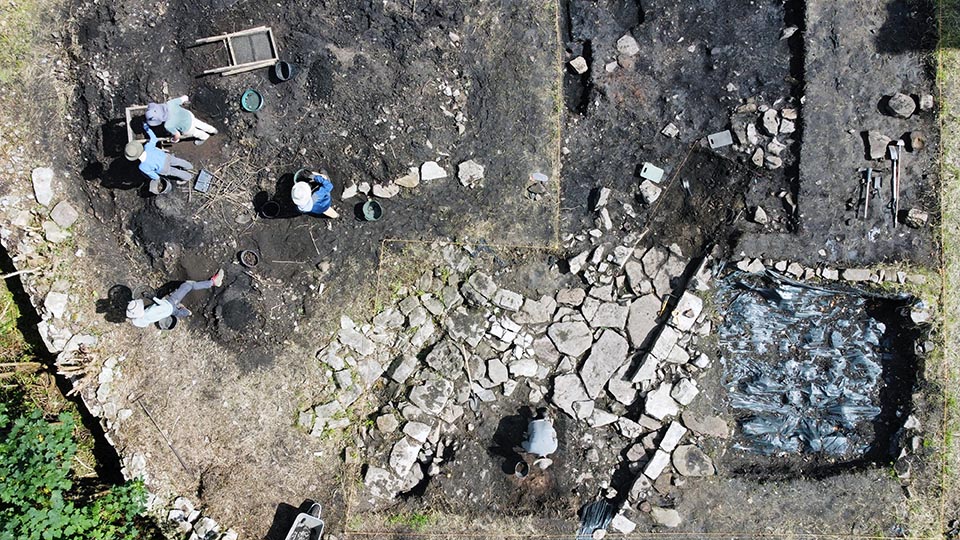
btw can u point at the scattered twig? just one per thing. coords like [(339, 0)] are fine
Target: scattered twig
[(314, 242)]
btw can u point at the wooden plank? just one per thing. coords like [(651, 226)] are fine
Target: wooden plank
[(233, 57), (243, 68), (221, 37), (273, 43)]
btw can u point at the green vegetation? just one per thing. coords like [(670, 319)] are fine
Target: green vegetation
[(18, 24), (416, 521), (945, 371), (48, 485), (37, 494)]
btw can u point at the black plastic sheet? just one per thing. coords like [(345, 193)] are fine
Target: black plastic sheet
[(802, 365)]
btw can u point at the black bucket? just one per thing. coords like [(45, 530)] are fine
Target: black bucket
[(168, 323), (270, 209), (284, 71)]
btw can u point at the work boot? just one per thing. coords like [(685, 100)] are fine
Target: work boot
[(217, 278)]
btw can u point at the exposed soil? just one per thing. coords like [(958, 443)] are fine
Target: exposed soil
[(377, 93)]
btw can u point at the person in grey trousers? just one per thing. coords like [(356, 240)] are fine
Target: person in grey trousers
[(171, 304)]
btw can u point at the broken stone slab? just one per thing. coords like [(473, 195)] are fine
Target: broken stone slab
[(776, 147), (667, 517), (386, 191), (787, 127), (713, 426), (579, 64), (640, 488), (759, 216), (606, 357), (576, 263), (691, 461), (431, 170), (627, 45), (685, 391), (507, 299), (636, 278), (620, 387), (356, 341), (771, 122), (431, 396), (926, 102), (659, 404), (56, 304), (446, 358), (536, 311), (901, 105), (470, 173), (571, 297), (64, 215), (417, 431), (479, 288), (877, 144), (856, 274), (687, 311), (388, 319), (657, 464), (622, 525), (409, 180), (757, 157), (650, 192), (610, 315), (497, 371), (524, 367), (349, 191), (466, 326), (583, 410), (567, 390), (665, 343), (387, 423), (571, 338), (916, 218), (675, 432), (42, 178), (369, 370), (404, 455), (602, 418), (380, 483), (53, 233), (642, 318), (647, 372), (773, 162)]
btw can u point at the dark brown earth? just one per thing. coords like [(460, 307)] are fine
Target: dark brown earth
[(364, 67)]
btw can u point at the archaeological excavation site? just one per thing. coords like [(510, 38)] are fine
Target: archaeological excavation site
[(407, 269)]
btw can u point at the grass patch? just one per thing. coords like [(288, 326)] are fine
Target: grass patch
[(19, 30), (12, 345), (417, 521)]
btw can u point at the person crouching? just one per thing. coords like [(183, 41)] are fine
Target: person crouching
[(314, 196)]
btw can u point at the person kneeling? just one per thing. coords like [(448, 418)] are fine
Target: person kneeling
[(314, 196)]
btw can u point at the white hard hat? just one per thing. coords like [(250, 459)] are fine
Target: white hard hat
[(135, 309), (301, 194)]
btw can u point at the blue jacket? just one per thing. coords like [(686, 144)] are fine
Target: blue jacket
[(321, 197), (156, 158)]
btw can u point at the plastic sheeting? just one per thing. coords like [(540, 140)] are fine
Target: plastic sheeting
[(596, 515), (802, 365)]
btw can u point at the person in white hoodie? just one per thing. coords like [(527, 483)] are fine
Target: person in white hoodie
[(170, 305)]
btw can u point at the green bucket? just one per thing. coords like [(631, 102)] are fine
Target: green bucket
[(372, 211), (251, 100)]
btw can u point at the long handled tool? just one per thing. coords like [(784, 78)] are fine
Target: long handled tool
[(865, 185), (896, 151)]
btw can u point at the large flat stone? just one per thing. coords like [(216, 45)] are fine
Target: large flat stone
[(642, 318), (571, 338), (567, 390), (606, 357)]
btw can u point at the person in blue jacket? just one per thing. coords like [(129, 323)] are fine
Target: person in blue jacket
[(314, 196), (156, 162)]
